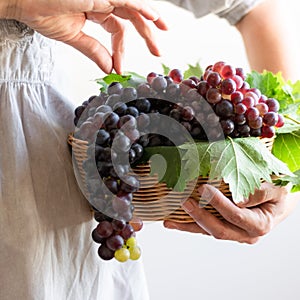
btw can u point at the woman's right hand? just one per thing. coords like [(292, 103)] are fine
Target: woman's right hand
[(64, 21)]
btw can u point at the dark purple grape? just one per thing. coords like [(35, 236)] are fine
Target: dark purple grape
[(96, 238), (104, 229), (227, 126), (103, 137), (267, 131), (144, 90), (159, 84), (99, 217), (187, 113), (79, 110), (128, 94), (127, 232), (111, 120), (240, 119), (244, 130), (256, 123), (133, 111), (143, 105), (213, 95), (127, 122), (105, 253), (172, 92), (112, 185), (120, 108), (270, 118), (115, 242), (118, 225), (214, 79), (138, 149), (228, 86), (273, 105), (114, 88), (121, 143), (202, 88), (129, 184), (224, 109), (175, 114)]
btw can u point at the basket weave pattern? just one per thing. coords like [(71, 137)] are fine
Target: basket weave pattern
[(154, 201)]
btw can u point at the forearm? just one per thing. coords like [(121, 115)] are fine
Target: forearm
[(269, 40)]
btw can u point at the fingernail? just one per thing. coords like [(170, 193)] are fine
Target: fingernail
[(188, 206)]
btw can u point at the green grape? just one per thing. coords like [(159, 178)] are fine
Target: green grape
[(122, 254), (135, 253), (131, 242)]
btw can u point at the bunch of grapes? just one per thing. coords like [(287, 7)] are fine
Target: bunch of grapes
[(121, 122)]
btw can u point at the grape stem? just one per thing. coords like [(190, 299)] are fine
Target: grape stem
[(292, 119)]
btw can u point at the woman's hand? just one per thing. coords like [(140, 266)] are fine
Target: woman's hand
[(245, 223), (64, 20)]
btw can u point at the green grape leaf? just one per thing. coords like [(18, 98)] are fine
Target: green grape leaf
[(166, 163), (166, 69), (193, 70), (286, 147), (294, 180)]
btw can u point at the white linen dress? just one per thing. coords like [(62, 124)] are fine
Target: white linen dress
[(46, 250)]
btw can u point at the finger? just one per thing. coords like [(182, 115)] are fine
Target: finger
[(93, 49), (189, 227), (267, 192), (255, 222), (143, 28), (116, 27), (219, 229)]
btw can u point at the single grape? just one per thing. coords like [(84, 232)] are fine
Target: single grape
[(244, 130), (172, 92), (112, 184), (248, 102), (273, 105), (159, 84), (151, 76), (240, 72), (105, 253), (256, 123), (236, 97), (96, 238), (136, 223), (104, 229), (129, 184), (202, 88), (227, 126), (227, 71), (252, 113), (252, 95), (240, 119), (128, 94), (262, 108), (127, 232), (111, 120), (270, 118), (133, 111), (240, 109), (122, 254), (121, 143), (228, 86), (238, 81), (280, 121), (127, 122), (224, 109), (176, 75), (143, 105), (115, 242), (267, 131), (218, 66), (103, 137), (144, 90), (187, 113), (114, 88), (214, 79), (135, 253), (120, 108), (118, 225), (213, 95), (131, 242)]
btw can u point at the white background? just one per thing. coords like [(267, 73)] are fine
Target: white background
[(189, 266)]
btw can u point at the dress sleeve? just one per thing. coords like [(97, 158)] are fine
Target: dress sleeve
[(231, 10)]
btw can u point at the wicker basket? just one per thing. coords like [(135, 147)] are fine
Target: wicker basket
[(154, 201)]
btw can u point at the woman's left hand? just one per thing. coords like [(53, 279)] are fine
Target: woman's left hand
[(245, 223)]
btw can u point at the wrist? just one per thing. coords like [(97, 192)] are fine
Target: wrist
[(8, 9)]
